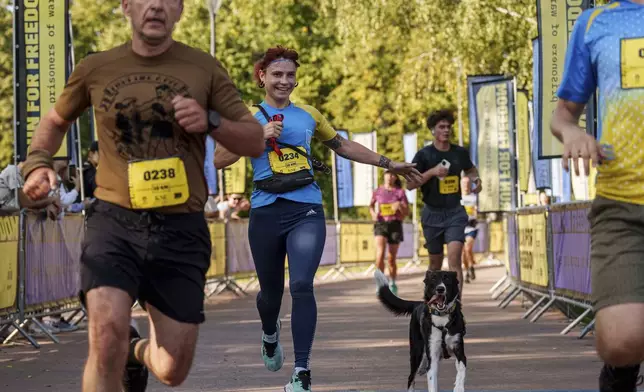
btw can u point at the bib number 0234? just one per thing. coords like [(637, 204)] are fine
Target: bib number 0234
[(289, 156)]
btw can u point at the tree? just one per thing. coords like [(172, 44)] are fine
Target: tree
[(6, 84), (365, 65)]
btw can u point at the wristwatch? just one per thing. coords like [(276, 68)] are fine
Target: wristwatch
[(214, 121)]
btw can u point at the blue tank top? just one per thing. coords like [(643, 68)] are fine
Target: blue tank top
[(301, 124)]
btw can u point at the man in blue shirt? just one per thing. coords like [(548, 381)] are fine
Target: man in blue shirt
[(606, 53)]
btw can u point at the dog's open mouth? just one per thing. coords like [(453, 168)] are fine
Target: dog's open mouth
[(437, 301)]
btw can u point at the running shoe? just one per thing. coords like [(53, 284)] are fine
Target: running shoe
[(136, 374), (393, 288), (272, 353), (300, 382), (620, 379)]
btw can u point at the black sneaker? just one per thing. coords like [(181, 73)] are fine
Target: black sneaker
[(136, 374), (623, 379)]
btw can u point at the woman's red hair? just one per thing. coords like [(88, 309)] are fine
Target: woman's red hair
[(272, 54)]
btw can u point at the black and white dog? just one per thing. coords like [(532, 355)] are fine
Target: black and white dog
[(436, 329)]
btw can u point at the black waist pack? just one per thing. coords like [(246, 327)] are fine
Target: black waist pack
[(282, 183)]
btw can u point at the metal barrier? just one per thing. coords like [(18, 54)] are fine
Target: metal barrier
[(39, 270), (551, 263)]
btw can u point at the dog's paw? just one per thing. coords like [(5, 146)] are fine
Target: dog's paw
[(459, 389), (381, 279)]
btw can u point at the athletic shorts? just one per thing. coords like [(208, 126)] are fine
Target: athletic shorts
[(160, 259), (472, 233), (617, 252), (441, 227), (392, 230)]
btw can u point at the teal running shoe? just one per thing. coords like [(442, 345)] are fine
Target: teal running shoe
[(272, 353), (393, 288), (300, 382)]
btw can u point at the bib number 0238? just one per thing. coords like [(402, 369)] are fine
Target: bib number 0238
[(162, 174), (158, 183)]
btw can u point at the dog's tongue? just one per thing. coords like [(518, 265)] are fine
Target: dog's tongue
[(436, 299)]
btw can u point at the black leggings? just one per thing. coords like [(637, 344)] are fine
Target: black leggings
[(299, 231)]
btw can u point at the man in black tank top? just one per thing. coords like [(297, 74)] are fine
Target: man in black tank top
[(444, 218)]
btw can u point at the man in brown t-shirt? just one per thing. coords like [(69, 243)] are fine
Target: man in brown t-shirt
[(155, 101)]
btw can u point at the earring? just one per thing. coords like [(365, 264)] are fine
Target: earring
[(297, 84), (261, 84)]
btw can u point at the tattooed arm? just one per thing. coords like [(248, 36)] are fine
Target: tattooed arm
[(357, 152)]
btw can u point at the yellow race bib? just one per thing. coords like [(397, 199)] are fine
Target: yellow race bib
[(157, 183), (632, 63), (290, 161), (448, 185), (387, 210)]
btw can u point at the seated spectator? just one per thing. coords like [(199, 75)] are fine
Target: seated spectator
[(230, 209), (10, 181)]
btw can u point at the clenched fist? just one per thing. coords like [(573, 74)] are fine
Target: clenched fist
[(190, 115), (273, 129), (39, 183)]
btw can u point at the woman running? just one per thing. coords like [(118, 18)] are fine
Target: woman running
[(286, 215), (388, 208)]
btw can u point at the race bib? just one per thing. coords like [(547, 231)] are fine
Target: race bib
[(632, 63), (157, 183), (387, 210), (290, 161), (448, 185)]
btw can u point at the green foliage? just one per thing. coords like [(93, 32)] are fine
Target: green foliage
[(367, 65), (6, 84)]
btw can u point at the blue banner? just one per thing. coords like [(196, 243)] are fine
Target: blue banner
[(542, 175), (209, 166), (344, 177)]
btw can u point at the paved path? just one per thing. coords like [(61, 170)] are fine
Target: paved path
[(359, 347)]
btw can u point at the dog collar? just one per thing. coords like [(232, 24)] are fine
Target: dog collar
[(436, 312)]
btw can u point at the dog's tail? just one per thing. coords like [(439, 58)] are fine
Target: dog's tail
[(394, 304)]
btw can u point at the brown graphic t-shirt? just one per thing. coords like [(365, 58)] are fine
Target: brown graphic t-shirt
[(132, 99)]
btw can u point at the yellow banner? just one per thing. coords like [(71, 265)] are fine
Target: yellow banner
[(506, 245), (523, 140), (494, 152), (44, 30), (94, 124), (357, 244), (218, 255), (497, 237), (530, 199), (235, 177), (556, 21), (422, 251), (9, 234), (532, 249)]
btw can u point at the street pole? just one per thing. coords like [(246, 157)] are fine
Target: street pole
[(459, 71), (213, 7)]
